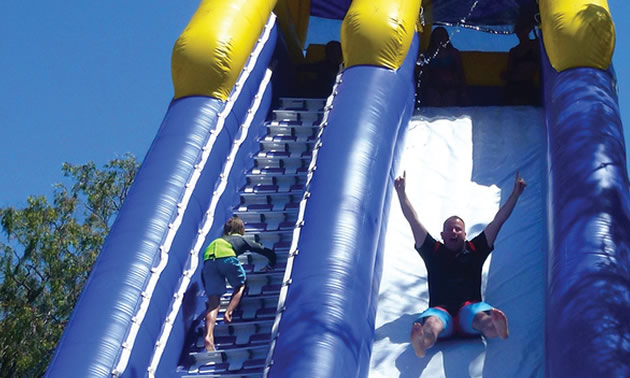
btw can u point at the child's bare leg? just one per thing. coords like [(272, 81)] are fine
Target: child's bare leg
[(424, 336), (211, 318), (492, 323), (234, 301)]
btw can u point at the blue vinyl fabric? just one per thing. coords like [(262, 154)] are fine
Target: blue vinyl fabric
[(335, 9), (496, 15), (91, 343), (588, 305), (366, 351), (192, 307), (327, 327), (199, 204)]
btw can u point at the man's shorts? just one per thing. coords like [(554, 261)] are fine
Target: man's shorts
[(215, 272), (463, 321)]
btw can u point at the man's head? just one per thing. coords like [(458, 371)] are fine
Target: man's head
[(234, 225), (454, 233)]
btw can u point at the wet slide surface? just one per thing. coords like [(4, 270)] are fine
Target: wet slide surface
[(462, 161)]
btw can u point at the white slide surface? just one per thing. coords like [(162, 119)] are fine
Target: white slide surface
[(462, 161)]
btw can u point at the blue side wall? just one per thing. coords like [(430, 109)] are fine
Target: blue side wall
[(327, 328), (588, 307), (172, 275), (92, 341), (91, 344), (192, 307), (364, 364)]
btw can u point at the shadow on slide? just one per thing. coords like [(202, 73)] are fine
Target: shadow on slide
[(457, 353)]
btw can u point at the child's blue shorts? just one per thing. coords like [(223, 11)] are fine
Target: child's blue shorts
[(216, 271)]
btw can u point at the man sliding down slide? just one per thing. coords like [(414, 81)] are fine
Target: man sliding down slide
[(454, 275)]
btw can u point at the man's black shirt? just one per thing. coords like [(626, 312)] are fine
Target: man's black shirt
[(454, 276)]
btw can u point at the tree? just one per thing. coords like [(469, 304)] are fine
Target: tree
[(46, 253)]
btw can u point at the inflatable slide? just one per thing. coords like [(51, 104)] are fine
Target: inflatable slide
[(312, 178)]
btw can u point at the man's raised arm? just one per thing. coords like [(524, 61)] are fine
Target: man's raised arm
[(419, 232), (492, 229)]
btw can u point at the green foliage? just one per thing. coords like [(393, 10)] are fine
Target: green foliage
[(46, 253)]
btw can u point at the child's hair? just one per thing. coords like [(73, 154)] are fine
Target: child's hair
[(234, 225)]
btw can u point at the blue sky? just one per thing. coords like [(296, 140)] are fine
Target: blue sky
[(85, 81)]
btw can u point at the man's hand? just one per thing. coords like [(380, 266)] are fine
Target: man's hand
[(492, 229), (419, 232), (400, 182), (519, 184)]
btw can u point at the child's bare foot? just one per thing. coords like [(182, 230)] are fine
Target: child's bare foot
[(500, 323), (228, 315), (420, 340), (209, 343)]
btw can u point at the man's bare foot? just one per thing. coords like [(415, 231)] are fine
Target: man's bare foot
[(209, 343), (500, 323), (492, 323), (228, 315), (420, 340)]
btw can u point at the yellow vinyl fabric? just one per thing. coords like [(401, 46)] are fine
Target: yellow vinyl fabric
[(577, 33), (484, 68), (300, 13), (293, 17), (378, 32), (211, 52)]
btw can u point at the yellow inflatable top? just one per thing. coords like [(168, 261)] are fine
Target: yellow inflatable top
[(378, 32), (577, 33), (213, 49)]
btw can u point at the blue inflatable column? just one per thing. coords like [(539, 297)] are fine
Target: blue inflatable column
[(94, 338), (588, 313), (327, 327), (123, 306)]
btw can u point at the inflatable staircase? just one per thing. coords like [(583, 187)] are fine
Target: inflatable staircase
[(269, 208)]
